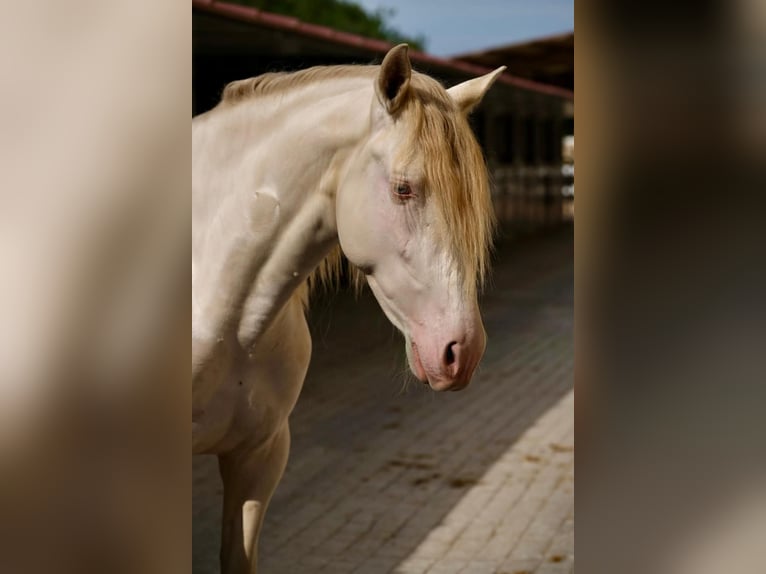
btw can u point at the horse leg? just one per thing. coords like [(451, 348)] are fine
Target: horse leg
[(250, 476)]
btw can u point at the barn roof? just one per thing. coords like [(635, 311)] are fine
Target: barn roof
[(345, 42), (548, 60)]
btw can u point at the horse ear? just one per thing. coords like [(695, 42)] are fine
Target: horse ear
[(393, 80), (468, 94)]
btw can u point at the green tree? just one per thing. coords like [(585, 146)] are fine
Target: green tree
[(341, 15)]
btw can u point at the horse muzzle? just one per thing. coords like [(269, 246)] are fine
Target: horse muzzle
[(447, 363)]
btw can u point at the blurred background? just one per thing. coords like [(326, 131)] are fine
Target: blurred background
[(384, 475), (671, 321)]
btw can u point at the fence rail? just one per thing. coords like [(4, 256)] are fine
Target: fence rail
[(534, 195)]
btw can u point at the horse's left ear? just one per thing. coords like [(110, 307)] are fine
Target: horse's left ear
[(468, 94), (393, 80)]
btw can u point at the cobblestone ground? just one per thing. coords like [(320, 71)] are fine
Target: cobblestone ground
[(386, 476)]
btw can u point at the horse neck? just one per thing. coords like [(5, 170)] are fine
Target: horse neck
[(259, 235)]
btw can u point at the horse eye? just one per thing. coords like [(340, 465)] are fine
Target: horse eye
[(403, 188)]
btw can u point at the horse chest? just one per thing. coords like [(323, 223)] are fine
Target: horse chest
[(259, 390)]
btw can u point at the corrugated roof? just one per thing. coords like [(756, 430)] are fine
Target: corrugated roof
[(294, 25)]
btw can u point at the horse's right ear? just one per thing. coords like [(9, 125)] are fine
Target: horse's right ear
[(393, 81)]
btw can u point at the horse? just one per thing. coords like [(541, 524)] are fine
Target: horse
[(289, 171)]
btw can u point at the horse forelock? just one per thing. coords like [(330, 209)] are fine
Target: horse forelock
[(456, 178)]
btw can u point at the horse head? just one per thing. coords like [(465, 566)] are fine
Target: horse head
[(414, 214)]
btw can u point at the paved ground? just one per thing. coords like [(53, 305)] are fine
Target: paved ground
[(388, 477)]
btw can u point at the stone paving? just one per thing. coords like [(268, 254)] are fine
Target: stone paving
[(386, 476)]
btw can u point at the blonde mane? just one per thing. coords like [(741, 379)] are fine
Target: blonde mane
[(456, 177), (275, 82)]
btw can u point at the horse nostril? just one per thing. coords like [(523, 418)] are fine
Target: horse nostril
[(449, 354)]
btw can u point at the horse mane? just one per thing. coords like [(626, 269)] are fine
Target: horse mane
[(276, 82), (329, 276), (456, 177)]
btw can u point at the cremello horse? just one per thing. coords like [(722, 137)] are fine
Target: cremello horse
[(377, 160)]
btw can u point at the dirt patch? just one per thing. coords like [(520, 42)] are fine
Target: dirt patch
[(462, 482), (425, 479)]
